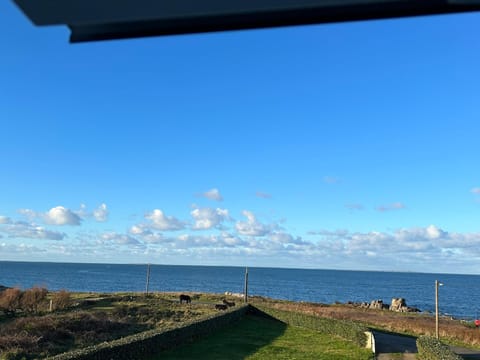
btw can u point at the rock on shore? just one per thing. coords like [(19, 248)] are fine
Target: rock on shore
[(397, 304)]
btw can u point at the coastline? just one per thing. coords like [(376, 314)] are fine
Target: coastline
[(457, 297)]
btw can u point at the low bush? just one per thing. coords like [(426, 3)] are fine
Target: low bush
[(32, 298), (13, 300), (10, 300), (430, 348), (349, 330), (61, 300)]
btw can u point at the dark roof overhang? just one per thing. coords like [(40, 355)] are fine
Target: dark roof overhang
[(116, 19)]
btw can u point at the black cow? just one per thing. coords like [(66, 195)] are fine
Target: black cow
[(221, 306), (228, 303), (185, 298)]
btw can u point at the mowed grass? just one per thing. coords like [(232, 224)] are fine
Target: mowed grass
[(256, 338)]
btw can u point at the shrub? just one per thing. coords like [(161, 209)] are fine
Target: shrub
[(61, 300), (121, 311), (14, 355), (32, 298), (17, 343), (10, 300), (430, 348)]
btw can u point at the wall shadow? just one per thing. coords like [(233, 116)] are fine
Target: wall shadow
[(234, 342)]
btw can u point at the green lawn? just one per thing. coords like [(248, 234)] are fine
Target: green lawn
[(256, 338)]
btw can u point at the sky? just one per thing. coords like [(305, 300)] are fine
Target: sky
[(336, 146)]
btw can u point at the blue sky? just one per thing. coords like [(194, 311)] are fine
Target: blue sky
[(345, 146)]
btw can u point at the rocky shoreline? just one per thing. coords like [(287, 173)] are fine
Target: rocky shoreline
[(397, 305)]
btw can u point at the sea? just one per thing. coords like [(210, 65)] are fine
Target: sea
[(459, 296)]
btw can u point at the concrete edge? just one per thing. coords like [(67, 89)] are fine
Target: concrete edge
[(370, 341)]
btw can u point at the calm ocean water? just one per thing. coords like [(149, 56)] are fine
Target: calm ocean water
[(459, 297)]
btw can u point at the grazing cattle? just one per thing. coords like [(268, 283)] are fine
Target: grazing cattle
[(221, 306), (185, 298), (228, 303)]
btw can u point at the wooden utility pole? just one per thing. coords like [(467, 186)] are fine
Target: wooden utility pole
[(245, 293), (437, 283), (148, 279)]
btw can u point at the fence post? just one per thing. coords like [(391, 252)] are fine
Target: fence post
[(148, 279), (245, 294)]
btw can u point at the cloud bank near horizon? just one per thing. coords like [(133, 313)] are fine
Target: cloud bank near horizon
[(213, 234)]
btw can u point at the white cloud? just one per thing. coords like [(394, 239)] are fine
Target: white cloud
[(155, 238), (189, 241), (418, 241), (213, 194), (390, 207), (138, 230), (208, 218), (21, 229), (147, 235), (101, 213), (283, 238), (19, 249), (29, 213), (252, 227), (5, 220), (119, 239), (434, 232), (162, 222), (287, 239), (263, 195), (212, 242), (82, 212), (330, 234), (232, 240), (475, 190), (61, 216), (58, 215)]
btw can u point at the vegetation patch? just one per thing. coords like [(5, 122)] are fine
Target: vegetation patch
[(38, 336), (430, 348), (36, 323)]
